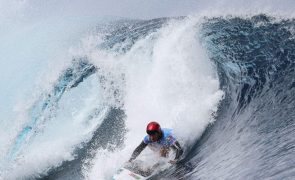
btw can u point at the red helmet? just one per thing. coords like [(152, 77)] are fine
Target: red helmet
[(153, 127)]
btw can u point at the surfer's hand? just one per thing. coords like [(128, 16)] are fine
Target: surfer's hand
[(173, 161)]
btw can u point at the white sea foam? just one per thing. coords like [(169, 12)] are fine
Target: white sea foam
[(169, 79)]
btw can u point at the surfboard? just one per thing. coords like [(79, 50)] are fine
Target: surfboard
[(126, 174), (135, 170)]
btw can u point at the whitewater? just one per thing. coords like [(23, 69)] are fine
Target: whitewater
[(78, 90)]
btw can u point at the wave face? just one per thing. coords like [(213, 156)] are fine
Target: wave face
[(224, 84), (252, 137)]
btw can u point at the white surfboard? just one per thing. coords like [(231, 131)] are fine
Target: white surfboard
[(135, 170), (126, 174)]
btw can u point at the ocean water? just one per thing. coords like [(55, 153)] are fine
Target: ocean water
[(78, 91)]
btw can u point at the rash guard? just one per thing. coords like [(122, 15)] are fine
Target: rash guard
[(166, 141)]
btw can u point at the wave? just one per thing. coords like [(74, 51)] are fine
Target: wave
[(224, 84), (251, 138)]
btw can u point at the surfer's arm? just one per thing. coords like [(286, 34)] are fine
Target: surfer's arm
[(178, 150), (137, 151)]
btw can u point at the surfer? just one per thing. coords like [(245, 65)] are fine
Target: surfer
[(161, 140)]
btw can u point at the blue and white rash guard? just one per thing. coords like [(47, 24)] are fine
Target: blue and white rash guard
[(166, 141)]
